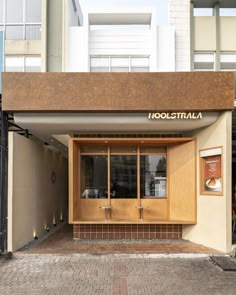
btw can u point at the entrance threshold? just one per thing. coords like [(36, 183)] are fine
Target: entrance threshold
[(61, 242)]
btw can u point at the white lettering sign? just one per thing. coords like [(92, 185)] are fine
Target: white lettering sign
[(174, 116)]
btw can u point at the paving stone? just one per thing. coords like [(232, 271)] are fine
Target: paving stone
[(225, 262), (107, 274)]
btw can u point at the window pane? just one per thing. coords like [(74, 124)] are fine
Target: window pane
[(120, 69), (33, 64), (1, 11), (153, 176), (140, 61), (14, 11), (33, 11), (140, 69), (123, 177), (99, 64), (14, 64), (204, 57), (228, 61), (203, 11), (33, 32), (120, 62), (228, 57), (93, 179), (102, 70), (227, 11), (14, 32), (204, 61)]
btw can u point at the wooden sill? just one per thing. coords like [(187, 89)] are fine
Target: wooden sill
[(133, 222)]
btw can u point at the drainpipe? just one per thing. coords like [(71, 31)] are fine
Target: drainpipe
[(3, 181), (192, 36), (216, 11)]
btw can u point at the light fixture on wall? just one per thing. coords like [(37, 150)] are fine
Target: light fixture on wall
[(35, 235), (54, 221)]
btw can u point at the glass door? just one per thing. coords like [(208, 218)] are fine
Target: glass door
[(93, 182), (153, 182), (124, 184)]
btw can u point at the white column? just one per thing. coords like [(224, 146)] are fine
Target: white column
[(179, 17)]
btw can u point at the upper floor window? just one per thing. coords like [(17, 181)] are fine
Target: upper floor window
[(21, 19), (22, 64), (204, 61), (203, 11), (119, 64), (228, 61), (227, 11)]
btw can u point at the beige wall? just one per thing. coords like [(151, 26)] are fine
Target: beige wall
[(227, 33), (23, 47), (213, 227), (33, 200), (205, 33)]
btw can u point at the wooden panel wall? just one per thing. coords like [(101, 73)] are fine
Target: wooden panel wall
[(155, 209), (89, 209), (125, 209), (182, 181), (73, 181), (180, 205)]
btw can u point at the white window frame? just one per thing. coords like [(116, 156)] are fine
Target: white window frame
[(24, 57), (119, 56), (204, 54), (224, 54), (24, 24)]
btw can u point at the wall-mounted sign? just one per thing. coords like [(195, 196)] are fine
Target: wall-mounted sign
[(211, 171), (175, 115)]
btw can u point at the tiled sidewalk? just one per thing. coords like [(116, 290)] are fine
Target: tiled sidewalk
[(61, 242), (61, 274)]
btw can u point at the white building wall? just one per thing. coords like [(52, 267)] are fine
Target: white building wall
[(158, 44), (179, 18), (165, 49), (78, 50), (122, 42)]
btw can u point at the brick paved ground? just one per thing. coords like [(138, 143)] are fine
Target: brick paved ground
[(62, 242), (62, 274)]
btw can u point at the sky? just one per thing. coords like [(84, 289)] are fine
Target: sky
[(160, 5)]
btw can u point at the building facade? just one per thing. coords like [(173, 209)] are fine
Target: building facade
[(147, 136)]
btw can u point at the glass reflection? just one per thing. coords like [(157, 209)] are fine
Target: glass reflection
[(123, 177), (153, 176), (93, 177)]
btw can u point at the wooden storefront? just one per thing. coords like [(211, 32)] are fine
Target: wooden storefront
[(171, 201)]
